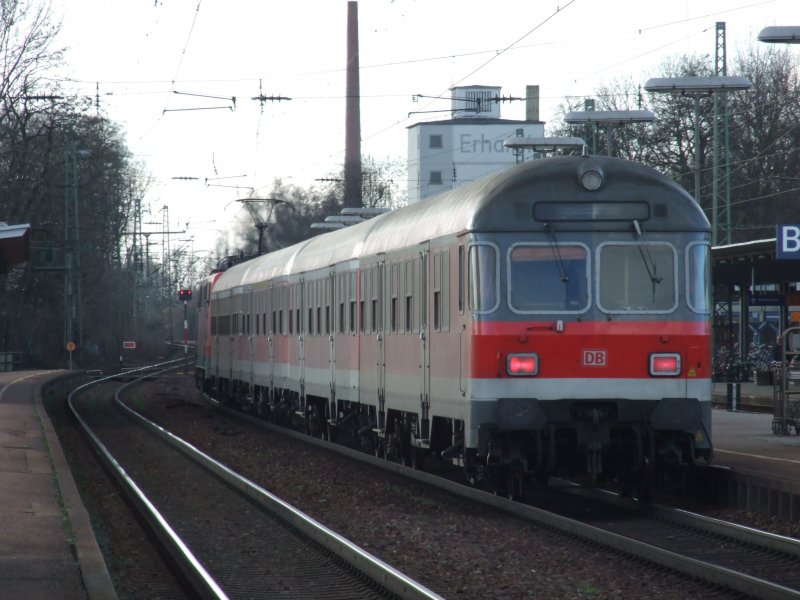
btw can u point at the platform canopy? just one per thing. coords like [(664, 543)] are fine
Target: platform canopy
[(14, 244), (752, 262)]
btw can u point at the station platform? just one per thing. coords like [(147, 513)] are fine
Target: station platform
[(744, 439), (47, 548)]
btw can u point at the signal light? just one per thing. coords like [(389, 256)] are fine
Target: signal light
[(522, 365), (665, 364), (185, 295)]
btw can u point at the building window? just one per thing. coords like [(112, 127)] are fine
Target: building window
[(435, 140), (436, 178)]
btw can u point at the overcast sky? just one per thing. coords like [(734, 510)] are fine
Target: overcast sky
[(154, 63)]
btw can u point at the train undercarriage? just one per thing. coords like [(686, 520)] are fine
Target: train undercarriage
[(635, 457)]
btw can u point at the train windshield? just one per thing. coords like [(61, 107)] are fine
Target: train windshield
[(548, 278), (637, 277)]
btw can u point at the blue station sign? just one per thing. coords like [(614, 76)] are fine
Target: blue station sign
[(787, 241)]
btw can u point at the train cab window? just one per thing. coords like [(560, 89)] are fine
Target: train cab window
[(698, 269), (547, 278), (483, 281), (637, 277)]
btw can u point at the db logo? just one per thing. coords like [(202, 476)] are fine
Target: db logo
[(594, 358)]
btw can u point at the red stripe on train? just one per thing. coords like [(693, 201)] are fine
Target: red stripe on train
[(591, 350)]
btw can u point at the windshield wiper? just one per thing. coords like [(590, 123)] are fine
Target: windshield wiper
[(649, 263), (554, 245)]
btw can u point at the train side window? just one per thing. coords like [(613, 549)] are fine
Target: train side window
[(483, 280), (445, 287), (698, 269), (437, 291), (460, 268), (409, 282), (393, 295)]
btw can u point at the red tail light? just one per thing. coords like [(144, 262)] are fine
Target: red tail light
[(522, 365), (665, 365)]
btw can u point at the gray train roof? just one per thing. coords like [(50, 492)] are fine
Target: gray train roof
[(500, 202)]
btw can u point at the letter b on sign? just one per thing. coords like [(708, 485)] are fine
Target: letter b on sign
[(787, 241)]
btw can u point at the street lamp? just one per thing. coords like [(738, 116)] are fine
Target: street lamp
[(697, 87), (545, 144), (780, 34), (262, 224), (610, 118)]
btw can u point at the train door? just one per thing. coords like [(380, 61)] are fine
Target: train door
[(330, 330), (271, 311), (248, 312), (380, 336), (423, 285), (300, 312)]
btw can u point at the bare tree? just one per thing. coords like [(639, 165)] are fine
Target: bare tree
[(764, 134), (27, 50)]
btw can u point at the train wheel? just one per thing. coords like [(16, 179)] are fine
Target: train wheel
[(417, 458), (378, 450), (413, 457), (515, 483), (498, 480)]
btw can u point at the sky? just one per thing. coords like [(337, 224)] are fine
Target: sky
[(166, 71)]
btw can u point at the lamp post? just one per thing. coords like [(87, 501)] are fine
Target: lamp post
[(696, 88), (610, 118), (780, 34), (545, 144), (262, 224)]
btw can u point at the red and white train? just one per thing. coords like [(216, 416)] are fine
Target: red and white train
[(553, 317)]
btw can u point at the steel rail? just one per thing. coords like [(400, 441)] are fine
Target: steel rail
[(201, 581), (372, 567), (704, 571)]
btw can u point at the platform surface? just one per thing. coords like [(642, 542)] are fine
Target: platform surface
[(47, 547)]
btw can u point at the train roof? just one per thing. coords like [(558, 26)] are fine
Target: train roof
[(500, 202)]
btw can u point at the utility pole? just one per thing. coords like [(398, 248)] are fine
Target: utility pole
[(73, 311), (721, 200)]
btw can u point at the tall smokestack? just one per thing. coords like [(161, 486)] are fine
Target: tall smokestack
[(352, 150)]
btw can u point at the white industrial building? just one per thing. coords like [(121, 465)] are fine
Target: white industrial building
[(445, 154)]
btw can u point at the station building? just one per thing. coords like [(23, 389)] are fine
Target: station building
[(756, 299), (444, 154)]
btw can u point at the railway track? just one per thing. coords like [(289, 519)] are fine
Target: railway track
[(745, 561), (229, 537)]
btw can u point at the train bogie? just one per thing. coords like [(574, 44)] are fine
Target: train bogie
[(539, 321)]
